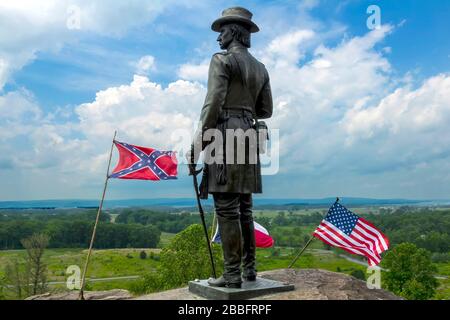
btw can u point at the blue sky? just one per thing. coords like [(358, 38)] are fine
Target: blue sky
[(360, 112)]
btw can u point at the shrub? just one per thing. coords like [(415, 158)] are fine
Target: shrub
[(275, 252), (187, 258), (438, 257), (411, 272), (358, 274), (152, 282)]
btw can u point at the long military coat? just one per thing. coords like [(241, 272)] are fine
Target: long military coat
[(237, 82)]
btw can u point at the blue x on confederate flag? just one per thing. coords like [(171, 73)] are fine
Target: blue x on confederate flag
[(140, 163)]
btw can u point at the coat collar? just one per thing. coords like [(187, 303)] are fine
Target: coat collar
[(237, 47)]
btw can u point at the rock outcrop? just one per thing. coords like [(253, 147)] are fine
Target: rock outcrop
[(310, 284), (116, 294)]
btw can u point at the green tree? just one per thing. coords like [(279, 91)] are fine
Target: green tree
[(411, 272), (16, 279), (143, 255), (274, 252), (187, 257), (280, 219), (37, 269)]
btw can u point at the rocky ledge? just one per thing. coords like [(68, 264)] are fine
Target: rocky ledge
[(310, 284)]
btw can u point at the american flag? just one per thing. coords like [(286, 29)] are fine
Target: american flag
[(343, 229), (141, 163)]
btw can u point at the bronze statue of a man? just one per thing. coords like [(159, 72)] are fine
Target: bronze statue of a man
[(239, 94)]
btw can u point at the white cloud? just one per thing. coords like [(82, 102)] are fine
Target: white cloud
[(308, 4), (145, 65), (28, 27), (407, 128), (18, 105), (319, 105), (32, 141), (342, 114), (194, 72), (311, 98), (3, 72), (143, 112), (285, 49), (341, 110), (20, 115), (405, 110)]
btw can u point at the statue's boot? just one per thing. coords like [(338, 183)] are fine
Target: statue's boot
[(249, 250), (230, 235), (221, 282), (248, 237)]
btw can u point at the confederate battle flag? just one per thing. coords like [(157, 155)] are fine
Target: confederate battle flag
[(140, 163)]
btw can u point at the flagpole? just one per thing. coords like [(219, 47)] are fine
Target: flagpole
[(213, 227), (300, 253), (205, 229), (304, 248), (194, 174), (83, 279)]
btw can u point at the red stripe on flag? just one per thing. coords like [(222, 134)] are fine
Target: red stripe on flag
[(358, 236), (323, 237), (369, 236), (338, 243), (354, 243), (346, 240), (369, 226)]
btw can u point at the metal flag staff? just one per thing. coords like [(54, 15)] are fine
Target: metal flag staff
[(194, 174), (213, 227), (304, 248), (83, 278)]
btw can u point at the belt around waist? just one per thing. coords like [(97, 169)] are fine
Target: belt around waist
[(237, 112)]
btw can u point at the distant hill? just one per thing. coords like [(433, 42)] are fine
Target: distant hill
[(190, 202)]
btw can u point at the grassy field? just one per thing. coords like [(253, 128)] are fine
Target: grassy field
[(103, 263), (273, 213), (127, 262), (165, 239), (312, 258), (443, 292)]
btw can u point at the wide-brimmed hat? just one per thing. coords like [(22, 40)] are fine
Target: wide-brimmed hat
[(236, 14)]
